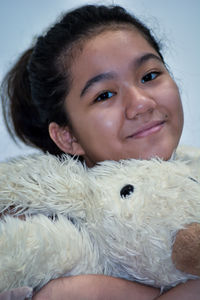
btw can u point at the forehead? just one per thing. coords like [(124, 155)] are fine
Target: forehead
[(84, 42), (103, 51), (108, 40)]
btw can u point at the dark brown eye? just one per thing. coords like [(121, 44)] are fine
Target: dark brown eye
[(150, 76), (127, 190), (104, 96)]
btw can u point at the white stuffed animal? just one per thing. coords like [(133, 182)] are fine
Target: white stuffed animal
[(118, 218)]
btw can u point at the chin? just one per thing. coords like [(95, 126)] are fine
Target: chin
[(165, 155)]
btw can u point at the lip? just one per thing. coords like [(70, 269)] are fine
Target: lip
[(148, 129)]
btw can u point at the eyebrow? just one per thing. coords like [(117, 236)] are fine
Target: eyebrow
[(112, 75), (98, 78)]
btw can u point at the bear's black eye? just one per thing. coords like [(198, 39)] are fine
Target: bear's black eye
[(127, 190)]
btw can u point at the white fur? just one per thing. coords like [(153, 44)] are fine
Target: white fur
[(77, 222)]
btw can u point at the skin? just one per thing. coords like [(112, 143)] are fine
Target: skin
[(134, 111), (99, 287)]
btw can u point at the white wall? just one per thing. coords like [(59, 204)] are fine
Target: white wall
[(177, 22)]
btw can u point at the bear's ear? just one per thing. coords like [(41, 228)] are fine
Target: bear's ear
[(43, 184)]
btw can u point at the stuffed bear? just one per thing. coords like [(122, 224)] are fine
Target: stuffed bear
[(125, 219)]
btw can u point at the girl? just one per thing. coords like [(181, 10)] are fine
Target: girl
[(96, 86)]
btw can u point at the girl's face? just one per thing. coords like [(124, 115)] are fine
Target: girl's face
[(123, 102)]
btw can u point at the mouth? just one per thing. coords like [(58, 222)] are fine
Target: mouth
[(148, 129)]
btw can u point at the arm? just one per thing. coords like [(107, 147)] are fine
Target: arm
[(100, 287), (95, 287), (185, 291)]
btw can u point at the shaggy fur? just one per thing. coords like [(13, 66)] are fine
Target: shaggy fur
[(118, 219)]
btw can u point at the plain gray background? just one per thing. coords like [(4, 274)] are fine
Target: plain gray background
[(175, 22)]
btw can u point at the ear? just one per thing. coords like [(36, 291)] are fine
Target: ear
[(65, 140)]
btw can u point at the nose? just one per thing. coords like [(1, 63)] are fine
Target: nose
[(138, 102)]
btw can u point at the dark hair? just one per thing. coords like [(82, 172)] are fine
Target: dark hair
[(34, 90)]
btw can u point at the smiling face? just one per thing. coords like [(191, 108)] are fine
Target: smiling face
[(123, 102)]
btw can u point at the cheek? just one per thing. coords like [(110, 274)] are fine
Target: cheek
[(170, 99), (105, 120), (176, 107), (96, 125)]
